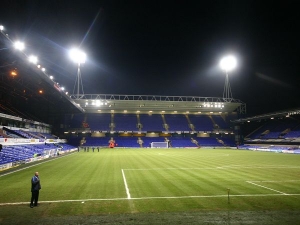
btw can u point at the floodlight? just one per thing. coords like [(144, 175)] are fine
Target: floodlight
[(19, 45), (98, 102), (33, 59), (51, 77), (43, 69), (77, 56), (1, 27), (228, 63)]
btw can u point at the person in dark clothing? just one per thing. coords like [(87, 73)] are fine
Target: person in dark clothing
[(35, 189)]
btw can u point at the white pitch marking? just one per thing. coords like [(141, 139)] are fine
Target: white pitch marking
[(204, 168), (214, 168), (275, 181), (126, 186), (143, 198), (260, 167), (33, 165), (266, 187)]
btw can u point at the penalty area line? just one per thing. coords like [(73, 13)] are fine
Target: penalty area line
[(266, 187), (126, 186)]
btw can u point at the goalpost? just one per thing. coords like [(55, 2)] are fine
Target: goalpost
[(159, 144)]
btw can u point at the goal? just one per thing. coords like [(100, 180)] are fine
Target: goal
[(159, 145)]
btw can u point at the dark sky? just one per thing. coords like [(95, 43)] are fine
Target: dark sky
[(167, 47)]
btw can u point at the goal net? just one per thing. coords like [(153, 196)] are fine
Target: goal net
[(159, 145)]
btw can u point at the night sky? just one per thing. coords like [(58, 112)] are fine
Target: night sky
[(167, 47)]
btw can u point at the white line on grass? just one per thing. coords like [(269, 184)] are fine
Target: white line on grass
[(215, 168), (274, 181), (266, 187), (33, 165), (143, 198), (259, 167), (203, 168), (126, 186)]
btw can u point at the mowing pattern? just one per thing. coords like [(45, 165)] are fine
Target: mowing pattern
[(188, 178)]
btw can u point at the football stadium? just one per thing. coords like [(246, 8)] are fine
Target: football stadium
[(140, 159)]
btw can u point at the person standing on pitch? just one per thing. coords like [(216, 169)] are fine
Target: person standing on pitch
[(169, 142), (35, 189), (111, 143), (140, 142), (195, 142)]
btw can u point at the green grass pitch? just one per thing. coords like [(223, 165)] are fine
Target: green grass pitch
[(154, 181)]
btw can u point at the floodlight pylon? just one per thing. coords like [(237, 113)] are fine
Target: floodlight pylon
[(78, 82), (78, 57), (228, 63), (227, 94)]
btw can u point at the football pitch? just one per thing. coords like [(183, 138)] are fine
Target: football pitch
[(157, 186)]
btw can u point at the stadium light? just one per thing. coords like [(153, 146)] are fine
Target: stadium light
[(33, 59), (228, 63), (78, 57), (19, 45), (13, 73), (1, 27)]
